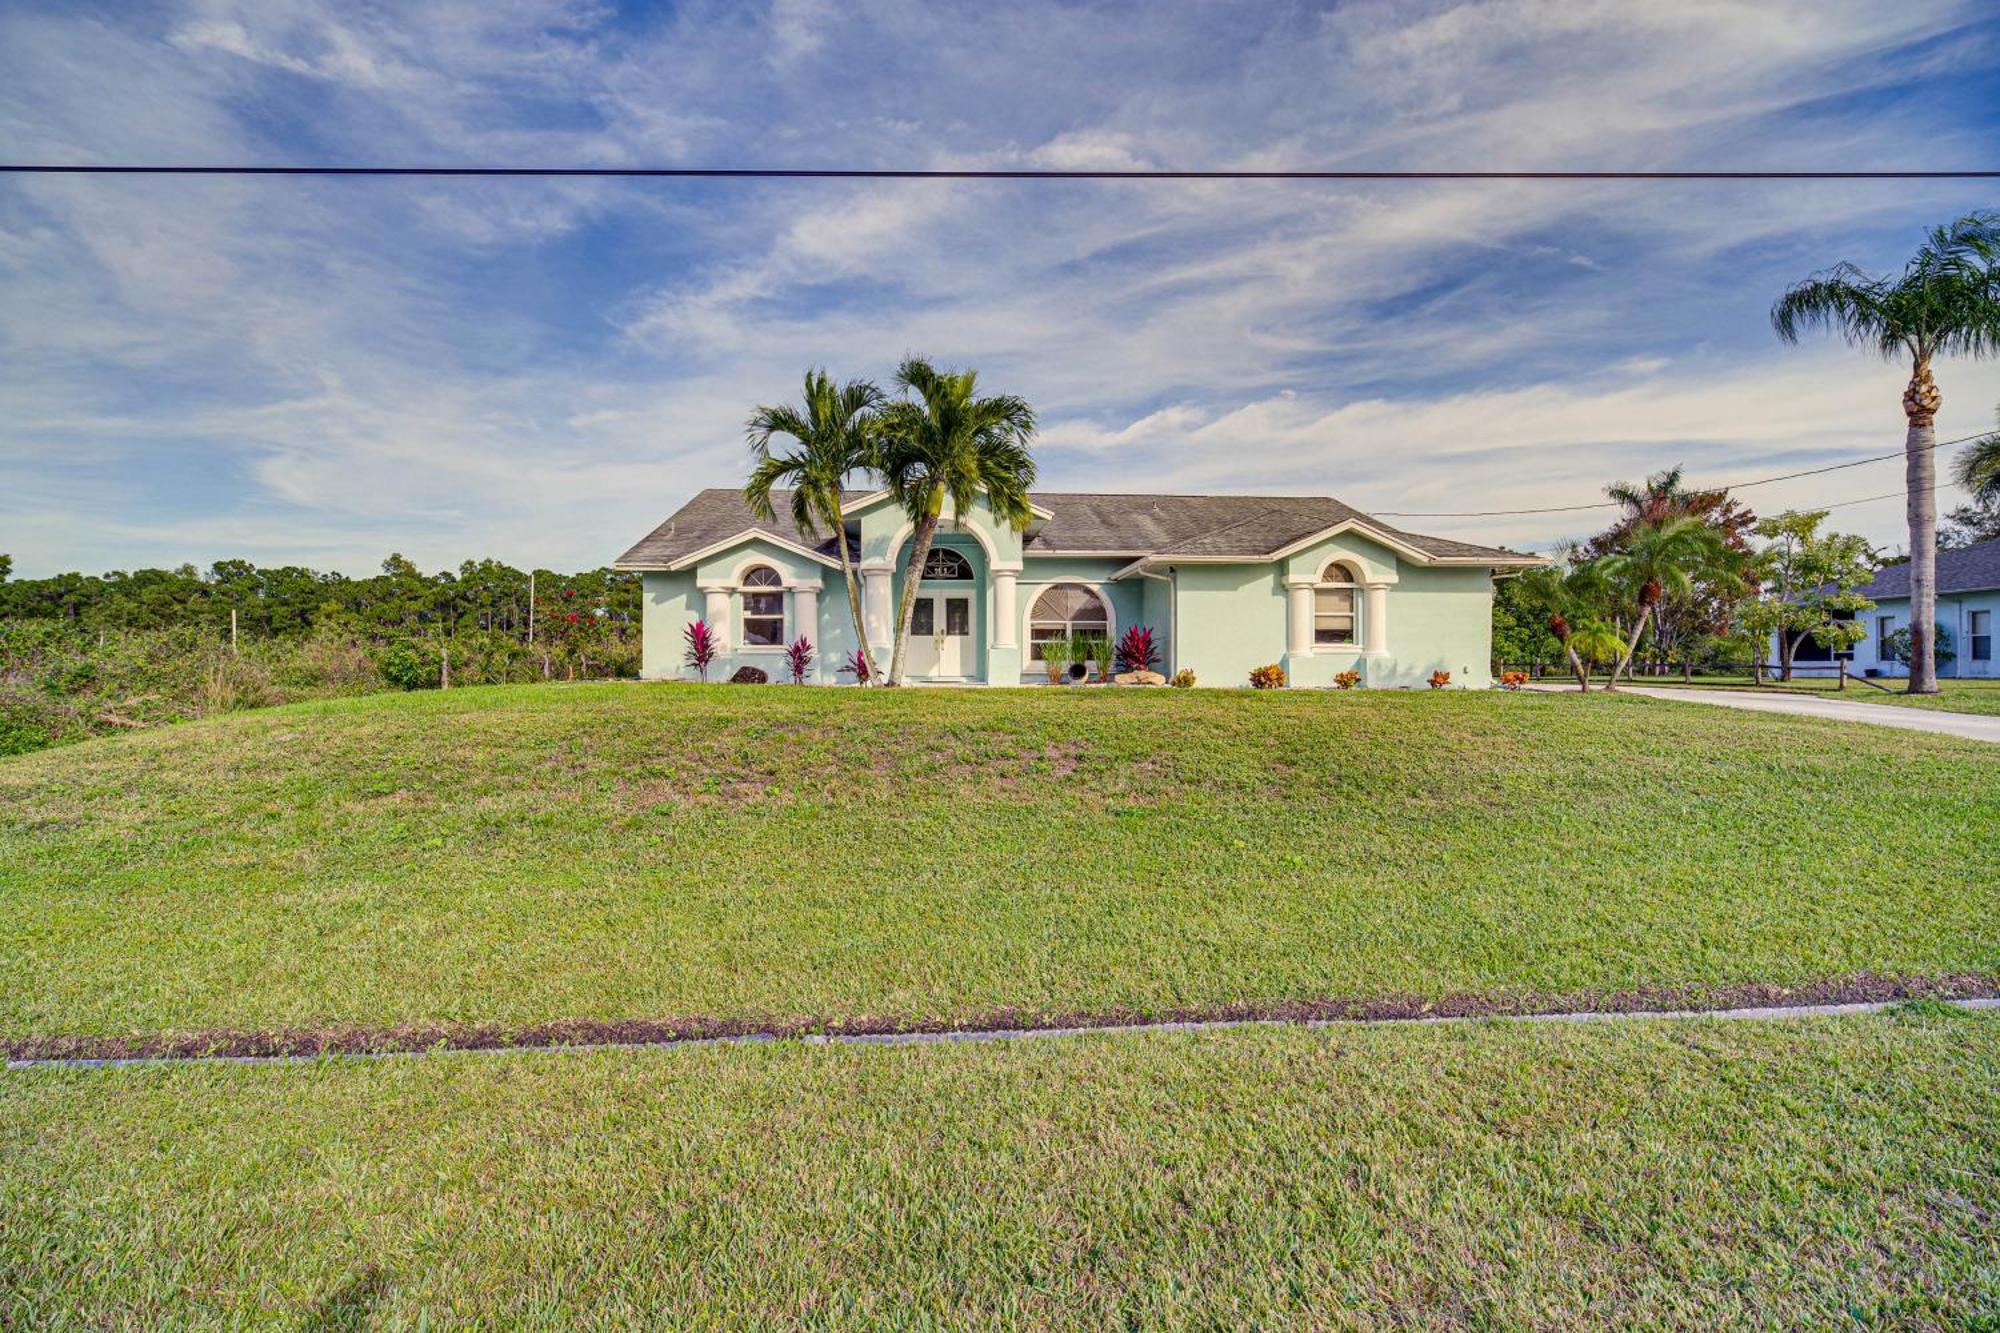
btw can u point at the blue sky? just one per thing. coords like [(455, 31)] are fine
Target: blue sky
[(324, 371)]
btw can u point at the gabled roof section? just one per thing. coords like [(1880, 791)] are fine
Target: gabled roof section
[(1160, 528), (1974, 568), (717, 519), (1226, 527)]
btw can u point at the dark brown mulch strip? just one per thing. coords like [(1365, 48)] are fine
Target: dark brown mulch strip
[(646, 1031)]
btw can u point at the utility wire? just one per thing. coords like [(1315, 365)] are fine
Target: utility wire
[(1732, 486), (970, 173)]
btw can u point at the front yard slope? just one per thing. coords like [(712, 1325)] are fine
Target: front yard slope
[(743, 856)]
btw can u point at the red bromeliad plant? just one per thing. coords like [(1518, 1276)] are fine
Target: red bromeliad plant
[(1137, 651), (1439, 679), (856, 666), (702, 647), (799, 658)]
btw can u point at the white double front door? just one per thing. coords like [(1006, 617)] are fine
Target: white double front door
[(942, 644)]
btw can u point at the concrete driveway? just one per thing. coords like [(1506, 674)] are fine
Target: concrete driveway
[(1971, 726)]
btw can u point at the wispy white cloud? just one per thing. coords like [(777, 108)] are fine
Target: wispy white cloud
[(539, 370)]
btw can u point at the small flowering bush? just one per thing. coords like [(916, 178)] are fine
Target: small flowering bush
[(856, 666), (1183, 679), (799, 658), (1137, 650), (1270, 677), (1513, 680), (1348, 679), (702, 647), (1440, 679)]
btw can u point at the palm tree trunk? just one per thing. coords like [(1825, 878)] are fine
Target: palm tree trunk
[(1920, 405), (854, 597), (920, 551), (1631, 648), (1576, 665)]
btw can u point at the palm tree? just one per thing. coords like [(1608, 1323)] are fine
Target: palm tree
[(1596, 641), (835, 431), (1661, 557), (1978, 469), (945, 442), (1569, 591), (1946, 302)]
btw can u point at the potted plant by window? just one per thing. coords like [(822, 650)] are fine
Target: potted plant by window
[(1083, 652)]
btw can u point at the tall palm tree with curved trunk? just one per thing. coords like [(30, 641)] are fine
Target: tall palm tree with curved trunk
[(834, 428), (942, 441), (1945, 303), (1659, 558)]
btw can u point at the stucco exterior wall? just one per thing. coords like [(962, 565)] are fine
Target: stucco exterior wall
[(1229, 619), (675, 600), (1954, 616)]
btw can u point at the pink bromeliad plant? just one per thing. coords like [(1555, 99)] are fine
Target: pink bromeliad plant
[(1137, 649), (799, 658), (702, 647)]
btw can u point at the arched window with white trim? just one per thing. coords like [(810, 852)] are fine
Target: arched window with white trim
[(1064, 611), (944, 565), (1337, 607), (763, 608)]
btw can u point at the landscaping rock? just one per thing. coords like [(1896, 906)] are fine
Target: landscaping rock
[(1139, 678), (749, 676)]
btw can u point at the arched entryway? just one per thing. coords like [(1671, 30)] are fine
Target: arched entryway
[(945, 618)]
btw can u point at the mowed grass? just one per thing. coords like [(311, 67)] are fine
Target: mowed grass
[(514, 855), (1954, 696), (1801, 1174)]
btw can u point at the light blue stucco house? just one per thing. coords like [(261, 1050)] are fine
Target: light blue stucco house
[(1226, 583), (1968, 605)]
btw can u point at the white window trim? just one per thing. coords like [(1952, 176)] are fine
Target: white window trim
[(1357, 593), (1034, 593), (739, 590)]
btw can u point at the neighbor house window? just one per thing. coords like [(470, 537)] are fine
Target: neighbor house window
[(1979, 629), (1064, 610), (763, 608), (1884, 627), (943, 563), (1334, 606)]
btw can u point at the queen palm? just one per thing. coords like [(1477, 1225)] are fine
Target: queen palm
[(1946, 302), (834, 429), (1659, 558), (942, 441)]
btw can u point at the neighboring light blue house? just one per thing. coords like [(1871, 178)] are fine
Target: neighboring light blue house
[(1226, 583), (1968, 604)]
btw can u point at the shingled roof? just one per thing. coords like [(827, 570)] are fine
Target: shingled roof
[(1974, 568), (1203, 527)]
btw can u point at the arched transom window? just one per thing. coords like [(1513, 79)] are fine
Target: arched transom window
[(1334, 611), (763, 608), (1065, 610), (943, 563)]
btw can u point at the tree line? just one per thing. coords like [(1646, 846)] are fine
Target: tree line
[(290, 601)]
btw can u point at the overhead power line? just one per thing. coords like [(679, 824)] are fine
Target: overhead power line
[(971, 173), (1729, 486)]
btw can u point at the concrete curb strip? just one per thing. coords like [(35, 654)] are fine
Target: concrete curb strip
[(1020, 1034)]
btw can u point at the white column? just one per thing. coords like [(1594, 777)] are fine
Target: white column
[(1299, 620), (717, 611), (1375, 618), (1004, 609), (805, 614), (875, 607)]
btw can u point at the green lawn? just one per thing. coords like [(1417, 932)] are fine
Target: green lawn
[(1807, 1174), (1955, 696), (518, 855)]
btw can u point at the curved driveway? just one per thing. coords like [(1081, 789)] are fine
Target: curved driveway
[(1971, 726)]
